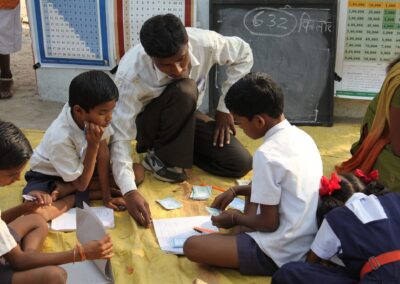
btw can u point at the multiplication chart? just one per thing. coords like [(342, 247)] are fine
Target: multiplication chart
[(72, 32), (136, 12), (373, 31), (372, 40)]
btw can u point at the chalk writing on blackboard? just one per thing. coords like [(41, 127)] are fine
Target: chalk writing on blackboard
[(266, 21)]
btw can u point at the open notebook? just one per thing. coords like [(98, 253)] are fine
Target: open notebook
[(67, 221), (89, 227)]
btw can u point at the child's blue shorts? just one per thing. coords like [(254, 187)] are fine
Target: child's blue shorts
[(252, 260)]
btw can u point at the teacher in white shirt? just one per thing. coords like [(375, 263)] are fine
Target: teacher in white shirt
[(161, 84)]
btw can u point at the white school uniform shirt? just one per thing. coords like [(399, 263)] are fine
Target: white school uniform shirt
[(7, 241), (367, 208), (63, 148), (287, 169), (139, 82)]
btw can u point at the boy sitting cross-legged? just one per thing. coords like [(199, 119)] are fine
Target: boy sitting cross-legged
[(281, 201), (75, 147)]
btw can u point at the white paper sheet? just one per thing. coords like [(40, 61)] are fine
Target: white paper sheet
[(67, 221), (169, 229)]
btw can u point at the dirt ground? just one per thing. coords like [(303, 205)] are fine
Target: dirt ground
[(26, 109)]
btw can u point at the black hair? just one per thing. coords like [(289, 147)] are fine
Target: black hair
[(349, 184), (90, 89), (255, 93), (162, 36), (15, 149)]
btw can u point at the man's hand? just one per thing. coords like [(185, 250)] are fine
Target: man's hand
[(138, 208), (223, 125), (222, 201)]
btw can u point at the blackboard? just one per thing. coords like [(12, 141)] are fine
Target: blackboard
[(292, 40)]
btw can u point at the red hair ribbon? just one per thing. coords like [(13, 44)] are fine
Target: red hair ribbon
[(328, 186), (372, 176)]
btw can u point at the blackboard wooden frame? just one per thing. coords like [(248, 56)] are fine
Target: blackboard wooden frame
[(324, 116)]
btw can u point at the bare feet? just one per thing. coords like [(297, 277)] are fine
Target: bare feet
[(62, 189)]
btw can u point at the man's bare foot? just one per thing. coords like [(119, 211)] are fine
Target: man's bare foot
[(62, 189)]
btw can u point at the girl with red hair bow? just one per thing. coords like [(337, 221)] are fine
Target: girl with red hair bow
[(358, 224)]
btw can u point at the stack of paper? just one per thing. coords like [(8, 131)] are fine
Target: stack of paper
[(171, 233)]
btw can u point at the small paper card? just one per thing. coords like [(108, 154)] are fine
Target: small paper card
[(237, 203), (213, 211), (169, 203), (201, 192), (178, 242), (243, 181)]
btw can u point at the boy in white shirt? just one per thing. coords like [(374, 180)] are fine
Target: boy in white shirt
[(281, 201), (22, 233), (75, 145)]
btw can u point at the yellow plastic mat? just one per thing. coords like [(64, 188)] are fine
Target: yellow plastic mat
[(137, 256)]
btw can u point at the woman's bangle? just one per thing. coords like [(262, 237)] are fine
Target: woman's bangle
[(81, 252), (233, 191)]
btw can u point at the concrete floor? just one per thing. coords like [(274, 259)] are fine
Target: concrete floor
[(26, 109)]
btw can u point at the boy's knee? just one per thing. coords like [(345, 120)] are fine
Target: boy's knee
[(38, 222), (185, 92), (57, 275)]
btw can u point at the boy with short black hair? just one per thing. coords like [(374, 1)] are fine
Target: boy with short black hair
[(282, 199), (22, 234), (76, 144)]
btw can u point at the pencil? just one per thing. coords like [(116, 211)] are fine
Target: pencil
[(214, 187), (204, 230)]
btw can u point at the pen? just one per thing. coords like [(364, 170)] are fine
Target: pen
[(204, 230), (214, 187), (28, 197)]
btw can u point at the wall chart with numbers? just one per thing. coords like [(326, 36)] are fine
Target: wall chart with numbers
[(371, 39), (132, 14), (71, 32), (94, 33)]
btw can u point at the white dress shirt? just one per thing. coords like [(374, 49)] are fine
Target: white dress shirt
[(63, 148), (366, 208), (287, 169), (139, 82), (7, 242)]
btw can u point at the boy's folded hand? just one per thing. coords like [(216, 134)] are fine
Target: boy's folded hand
[(98, 249), (93, 133)]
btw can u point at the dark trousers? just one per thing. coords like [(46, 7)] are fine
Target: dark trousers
[(168, 124)]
